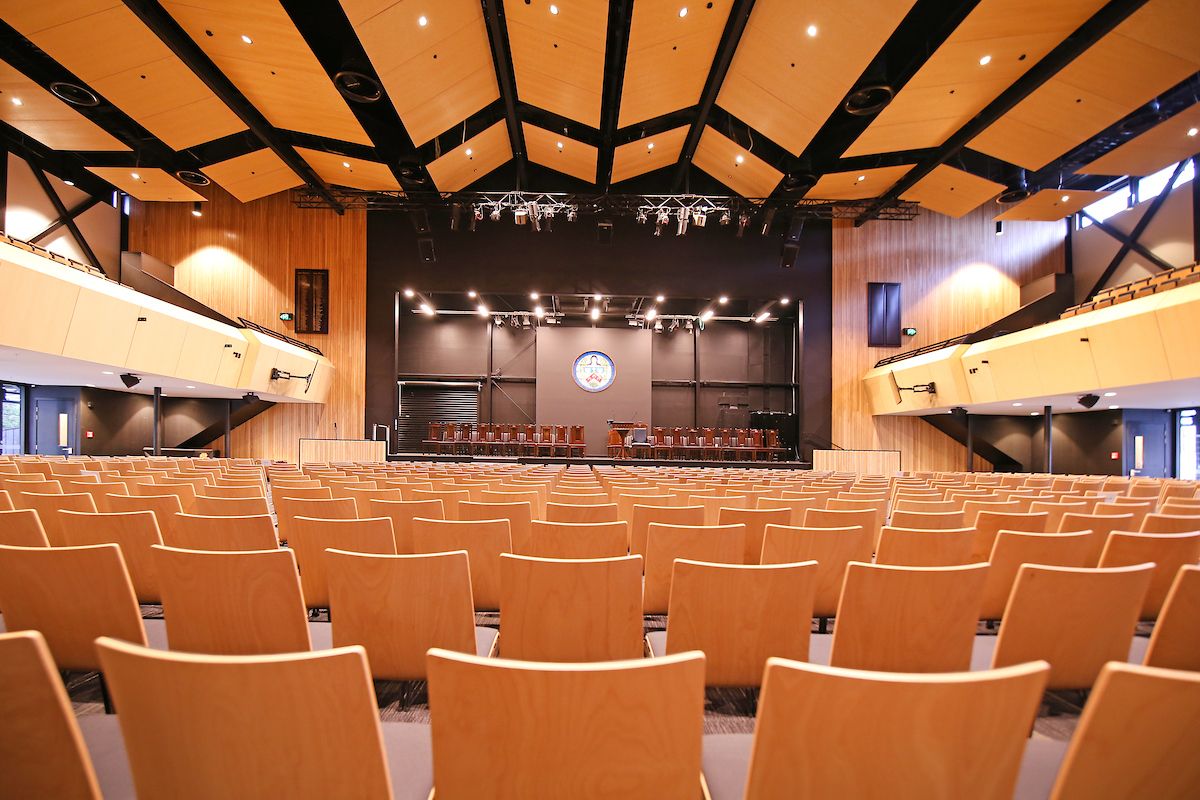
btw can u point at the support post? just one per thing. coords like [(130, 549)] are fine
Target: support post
[(1048, 437), (227, 446), (156, 439), (696, 374), (970, 442)]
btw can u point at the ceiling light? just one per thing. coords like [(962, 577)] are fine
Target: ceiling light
[(90, 385), (983, 62), (783, 301), (539, 312), (597, 297), (197, 210), (471, 293), (16, 101), (193, 387), (422, 20), (69, 183), (1033, 413), (494, 216), (427, 309), (346, 164), (247, 39), (595, 312), (135, 176), (409, 292), (559, 145), (533, 295), (1066, 197), (740, 158), (1191, 131), (723, 299), (1017, 405), (862, 177), (683, 12), (1110, 394), (651, 314), (659, 298), (650, 145), (553, 9), (470, 152), (1113, 408), (482, 310), (106, 372), (763, 317), (707, 315), (811, 30)]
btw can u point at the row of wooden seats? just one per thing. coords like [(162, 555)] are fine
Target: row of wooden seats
[(703, 444), (1163, 281), (209, 726), (503, 439)]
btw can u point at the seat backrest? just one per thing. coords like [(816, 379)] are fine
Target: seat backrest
[(197, 532), (1136, 737), (925, 506), (831, 548), (269, 745), (233, 492), (288, 508), (934, 520), (1168, 551), (48, 507), (42, 750), (578, 539), (309, 538), (493, 716), (907, 619), (644, 516), (1177, 522), (519, 515), (5, 501), (99, 491), (826, 518), (1074, 618), (402, 513), (902, 547), (740, 615), (973, 732), (483, 541), (721, 544), (972, 508), (713, 505), (164, 507), (230, 507), (232, 603), (582, 512), (1175, 642), (1014, 548), (184, 491), (1100, 524), (1139, 510), (450, 499), (318, 492), (22, 528), (571, 610), (135, 532), (797, 507), (72, 595), (989, 523), (399, 606), (32, 484), (756, 521)]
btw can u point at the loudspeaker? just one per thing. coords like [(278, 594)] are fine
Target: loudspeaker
[(425, 248), (420, 220), (791, 243), (604, 232)]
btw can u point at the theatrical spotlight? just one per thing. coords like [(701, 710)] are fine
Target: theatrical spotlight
[(768, 218), (535, 221), (682, 225), (130, 380), (495, 215), (548, 219), (571, 215), (743, 223), (699, 218), (724, 217), (641, 216), (520, 215)]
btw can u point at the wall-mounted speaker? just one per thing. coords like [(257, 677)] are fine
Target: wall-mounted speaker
[(420, 220), (425, 249)]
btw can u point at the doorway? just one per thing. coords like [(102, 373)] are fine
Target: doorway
[(55, 426), (1147, 446)]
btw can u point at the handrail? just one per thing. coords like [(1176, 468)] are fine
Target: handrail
[(254, 326), (56, 257), (929, 348)]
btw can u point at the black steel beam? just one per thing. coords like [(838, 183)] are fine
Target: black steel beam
[(493, 12), (1136, 233), (735, 26), (620, 20), (61, 221), (65, 216), (1131, 244), (1101, 23), (164, 26)]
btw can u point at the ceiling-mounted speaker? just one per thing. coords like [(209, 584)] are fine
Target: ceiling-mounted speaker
[(1013, 196), (411, 172), (604, 232), (357, 86), (419, 218), (868, 100), (798, 181), (1089, 400), (425, 250), (192, 177), (130, 380), (75, 94)]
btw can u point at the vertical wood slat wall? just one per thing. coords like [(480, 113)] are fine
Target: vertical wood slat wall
[(240, 260), (956, 276)]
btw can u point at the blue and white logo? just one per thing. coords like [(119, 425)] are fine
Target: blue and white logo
[(594, 371)]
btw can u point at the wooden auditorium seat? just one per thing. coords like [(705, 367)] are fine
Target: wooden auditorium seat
[(1175, 642), (135, 532), (1167, 551), (549, 539), (519, 515), (902, 547), (198, 532), (309, 537), (1012, 549), (483, 541), (22, 528), (229, 507), (831, 548), (722, 544), (644, 516), (756, 522), (402, 513), (48, 507)]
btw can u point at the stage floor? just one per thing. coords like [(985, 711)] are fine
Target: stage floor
[(596, 461)]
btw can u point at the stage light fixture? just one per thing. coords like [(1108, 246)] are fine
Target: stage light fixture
[(472, 293), (681, 225), (699, 218), (409, 293), (499, 322), (595, 313), (520, 215), (763, 317), (651, 314), (783, 301), (660, 298), (539, 312), (743, 223), (723, 299), (482, 310), (707, 314), (533, 295), (768, 218), (571, 215), (495, 215), (724, 217), (597, 297), (477, 212), (687, 325), (130, 380), (658, 326), (197, 209), (427, 309), (641, 217)]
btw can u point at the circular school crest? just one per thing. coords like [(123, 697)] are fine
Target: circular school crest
[(594, 371)]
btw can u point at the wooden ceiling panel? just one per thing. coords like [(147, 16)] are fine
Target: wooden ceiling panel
[(669, 57), (1051, 204), (276, 70), (952, 192), (1151, 51), (473, 159), (856, 185), (806, 76), (573, 158), (719, 157), (638, 158), (103, 43), (951, 87), (558, 59), (148, 184), (37, 113), (357, 173), (436, 74), (1166, 143), (253, 175)]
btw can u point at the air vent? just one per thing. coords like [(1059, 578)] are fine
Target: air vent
[(798, 181), (74, 94), (358, 87), (1013, 196), (868, 100), (192, 177)]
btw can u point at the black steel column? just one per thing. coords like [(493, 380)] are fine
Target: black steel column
[(696, 374), (227, 447), (1048, 434), (970, 443), (490, 363), (156, 440)]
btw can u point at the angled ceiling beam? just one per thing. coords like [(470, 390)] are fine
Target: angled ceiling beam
[(493, 12), (1101, 24), (735, 26), (164, 26), (1136, 234), (620, 20), (72, 214), (60, 163), (327, 31), (1132, 244), (65, 216)]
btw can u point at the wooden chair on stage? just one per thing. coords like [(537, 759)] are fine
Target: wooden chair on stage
[(616, 445)]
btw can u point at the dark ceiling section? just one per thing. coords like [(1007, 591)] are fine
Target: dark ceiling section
[(327, 31)]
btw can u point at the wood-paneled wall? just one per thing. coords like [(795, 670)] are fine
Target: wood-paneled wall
[(956, 276), (240, 260)]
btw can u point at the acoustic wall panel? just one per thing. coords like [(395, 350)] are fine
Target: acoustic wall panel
[(1128, 349), (102, 327), (1064, 359), (157, 342), (35, 309)]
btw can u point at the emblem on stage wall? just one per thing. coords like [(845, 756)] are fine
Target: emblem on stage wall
[(594, 371)]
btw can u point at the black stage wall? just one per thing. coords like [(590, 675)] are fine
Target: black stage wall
[(754, 363)]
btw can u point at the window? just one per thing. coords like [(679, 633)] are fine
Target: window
[(1105, 207), (12, 419), (1135, 191), (1152, 186), (1189, 453)]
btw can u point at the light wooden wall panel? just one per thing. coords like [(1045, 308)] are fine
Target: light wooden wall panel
[(956, 276), (240, 259)]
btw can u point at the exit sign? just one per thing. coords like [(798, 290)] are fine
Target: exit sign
[(1114, 455)]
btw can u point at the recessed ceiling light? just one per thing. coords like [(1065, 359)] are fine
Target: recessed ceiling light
[(106, 372), (533, 295), (1017, 405), (983, 62), (69, 183), (482, 310), (811, 30), (553, 8), (16, 101), (1110, 394), (135, 176), (193, 387), (659, 298), (740, 158), (1033, 413), (1193, 131), (783, 301), (1066, 197), (862, 177), (346, 164), (247, 39), (597, 297), (559, 145), (409, 292), (471, 293), (683, 12), (470, 152), (422, 20), (723, 299), (1113, 408), (427, 309)]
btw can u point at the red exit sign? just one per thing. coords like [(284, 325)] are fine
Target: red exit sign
[(1114, 455)]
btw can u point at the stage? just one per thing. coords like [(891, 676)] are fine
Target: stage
[(597, 461)]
